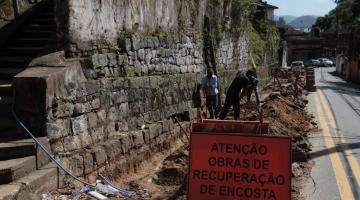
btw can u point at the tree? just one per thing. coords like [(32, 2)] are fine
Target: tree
[(346, 13), (281, 22)]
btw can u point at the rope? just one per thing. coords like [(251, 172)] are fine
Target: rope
[(47, 152), (60, 166), (122, 191)]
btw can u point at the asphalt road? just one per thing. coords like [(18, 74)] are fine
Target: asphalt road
[(336, 147)]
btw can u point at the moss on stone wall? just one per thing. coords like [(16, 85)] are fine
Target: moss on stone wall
[(6, 11), (263, 34)]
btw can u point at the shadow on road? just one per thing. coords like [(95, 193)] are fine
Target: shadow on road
[(335, 149), (341, 87)]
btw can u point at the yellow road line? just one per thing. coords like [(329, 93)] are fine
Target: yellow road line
[(353, 162), (338, 168)]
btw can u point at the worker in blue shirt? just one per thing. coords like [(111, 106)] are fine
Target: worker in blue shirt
[(209, 84)]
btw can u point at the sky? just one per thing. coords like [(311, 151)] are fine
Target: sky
[(302, 7)]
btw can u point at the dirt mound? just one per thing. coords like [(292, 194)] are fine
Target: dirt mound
[(174, 169)]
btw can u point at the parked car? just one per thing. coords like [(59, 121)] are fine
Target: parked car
[(314, 62), (297, 65), (324, 62), (333, 60)]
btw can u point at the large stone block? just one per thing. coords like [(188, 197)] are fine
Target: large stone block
[(123, 59), (79, 124), (136, 43), (141, 54), (112, 149), (165, 126), (72, 143), (76, 163), (112, 59), (61, 110), (138, 139), (99, 60), (58, 129), (99, 155), (146, 136), (88, 163), (46, 85), (89, 87), (126, 144), (112, 114), (57, 146), (111, 127), (86, 139), (124, 110), (121, 126), (154, 130), (97, 134), (95, 104), (81, 108), (101, 114)]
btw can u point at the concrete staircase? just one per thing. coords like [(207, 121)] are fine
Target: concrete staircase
[(25, 171)]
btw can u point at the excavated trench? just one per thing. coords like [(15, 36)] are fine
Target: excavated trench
[(164, 175)]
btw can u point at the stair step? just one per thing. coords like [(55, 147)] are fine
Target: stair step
[(5, 111), (15, 61), (47, 14), (23, 148), (37, 33), (11, 136), (24, 41), (40, 181), (6, 88), (32, 185), (17, 149), (9, 191), (36, 27), (7, 73), (7, 123), (23, 51), (10, 170), (6, 100), (46, 21)]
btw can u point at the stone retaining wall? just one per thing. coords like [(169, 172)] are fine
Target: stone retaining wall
[(84, 25), (93, 109), (8, 10)]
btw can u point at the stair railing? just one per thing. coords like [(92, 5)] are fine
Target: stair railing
[(51, 157), (47, 152)]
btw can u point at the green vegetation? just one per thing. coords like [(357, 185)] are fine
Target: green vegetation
[(127, 71), (242, 13), (263, 35), (257, 45), (122, 35), (346, 13), (172, 71)]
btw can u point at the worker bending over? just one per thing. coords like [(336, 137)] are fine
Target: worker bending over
[(244, 83)]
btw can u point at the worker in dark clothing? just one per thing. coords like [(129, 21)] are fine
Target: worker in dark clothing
[(196, 96), (209, 84), (252, 87), (240, 83)]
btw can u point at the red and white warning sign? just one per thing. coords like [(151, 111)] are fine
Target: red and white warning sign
[(232, 166)]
